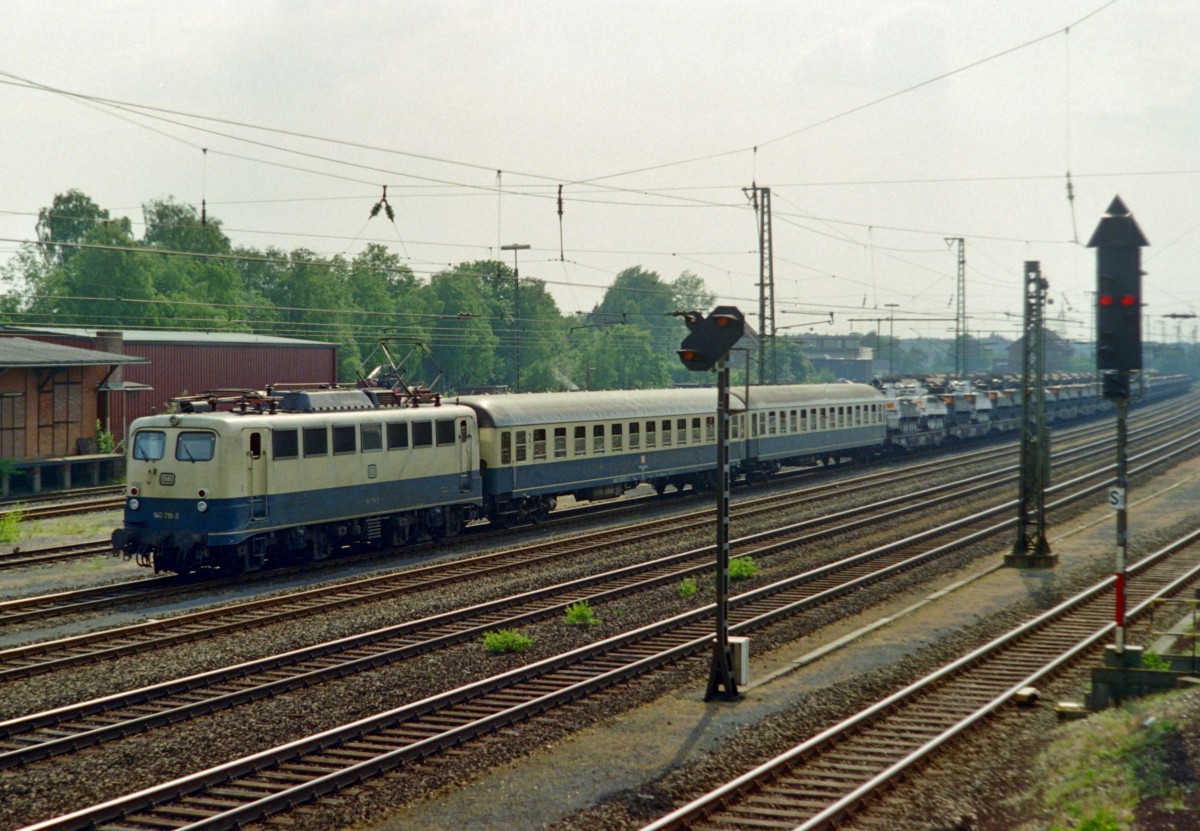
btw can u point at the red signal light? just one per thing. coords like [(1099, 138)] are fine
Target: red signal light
[(1128, 300), (1106, 300)]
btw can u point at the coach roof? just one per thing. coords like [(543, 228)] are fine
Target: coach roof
[(610, 405)]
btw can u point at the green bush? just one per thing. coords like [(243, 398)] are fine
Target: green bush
[(742, 568), (1152, 660), (687, 588), (581, 614), (500, 641), (104, 440), (10, 524)]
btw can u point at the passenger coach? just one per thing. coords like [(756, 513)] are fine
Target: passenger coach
[(592, 445)]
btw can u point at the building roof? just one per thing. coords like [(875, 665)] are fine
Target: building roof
[(34, 353), (164, 336)]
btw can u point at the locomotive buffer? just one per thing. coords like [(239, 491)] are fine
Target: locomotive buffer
[(706, 346)]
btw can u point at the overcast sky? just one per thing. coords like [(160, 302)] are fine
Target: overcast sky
[(653, 116)]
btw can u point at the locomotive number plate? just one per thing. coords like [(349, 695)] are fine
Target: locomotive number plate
[(166, 479)]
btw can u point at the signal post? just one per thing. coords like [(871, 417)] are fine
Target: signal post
[(1118, 242), (706, 346)]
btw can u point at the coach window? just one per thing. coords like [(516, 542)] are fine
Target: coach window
[(771, 423), (422, 434), (735, 427), (506, 448), (635, 436), (560, 442), (841, 417), (710, 428), (316, 441), (651, 435), (539, 444), (284, 444), (795, 423), (397, 435), (343, 439), (521, 446), (681, 431), (445, 431), (195, 447), (598, 438), (823, 419), (666, 432), (696, 430), (617, 438), (580, 441)]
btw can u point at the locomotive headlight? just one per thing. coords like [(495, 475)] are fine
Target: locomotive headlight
[(201, 506), (133, 504)]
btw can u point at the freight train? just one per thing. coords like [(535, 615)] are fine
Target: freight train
[(257, 480)]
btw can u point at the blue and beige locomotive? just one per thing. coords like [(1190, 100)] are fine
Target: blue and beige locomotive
[(283, 478)]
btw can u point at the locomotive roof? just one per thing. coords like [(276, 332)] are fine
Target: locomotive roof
[(558, 407)]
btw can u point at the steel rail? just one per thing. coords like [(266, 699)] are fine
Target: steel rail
[(725, 805), (234, 793)]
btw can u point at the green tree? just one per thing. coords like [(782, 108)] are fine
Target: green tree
[(619, 357), (462, 339), (68, 220), (175, 226)]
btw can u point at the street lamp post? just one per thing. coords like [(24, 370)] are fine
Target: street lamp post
[(515, 247)]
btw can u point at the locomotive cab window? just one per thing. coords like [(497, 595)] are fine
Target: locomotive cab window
[(195, 446), (256, 449), (285, 444), (149, 445), (343, 439), (422, 434), (316, 441), (445, 431)]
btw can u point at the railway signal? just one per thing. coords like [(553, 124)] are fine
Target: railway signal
[(710, 338), (1118, 242)]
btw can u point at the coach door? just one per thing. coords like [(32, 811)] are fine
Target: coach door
[(256, 473), (466, 456)]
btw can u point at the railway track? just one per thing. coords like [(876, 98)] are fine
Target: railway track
[(53, 554), (43, 608), (837, 772), (46, 656), (66, 729), (66, 503), (275, 780)]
